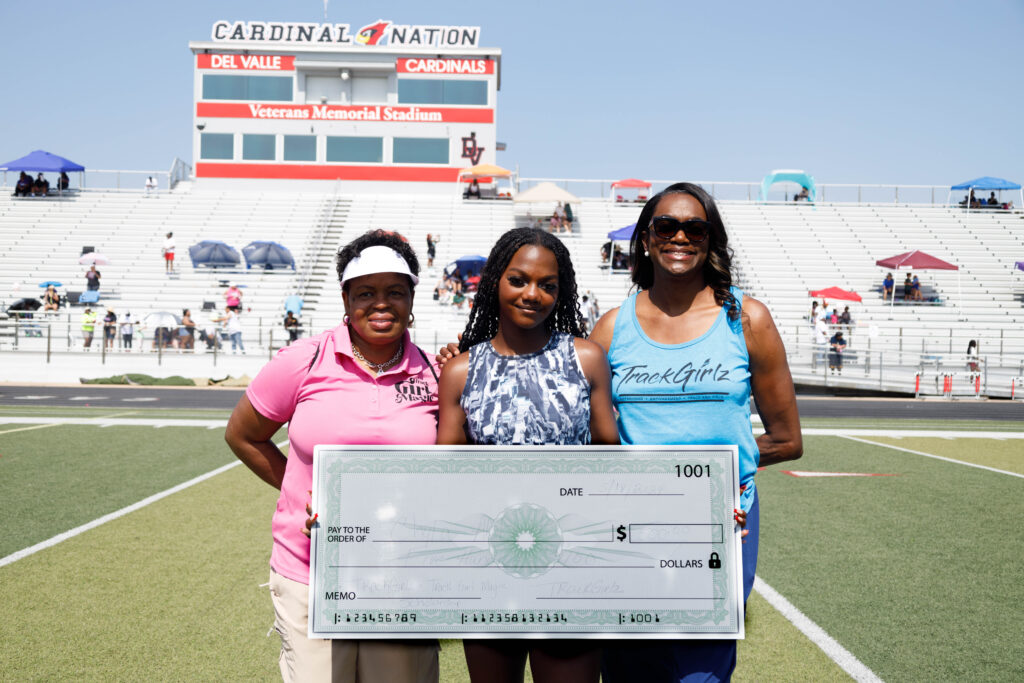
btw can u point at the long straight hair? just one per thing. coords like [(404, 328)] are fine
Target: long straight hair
[(717, 269)]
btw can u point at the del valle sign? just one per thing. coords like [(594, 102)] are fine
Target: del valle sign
[(380, 33)]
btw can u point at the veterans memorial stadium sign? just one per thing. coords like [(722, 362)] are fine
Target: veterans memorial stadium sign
[(380, 33)]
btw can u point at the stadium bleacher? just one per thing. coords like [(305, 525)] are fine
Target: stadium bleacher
[(782, 250)]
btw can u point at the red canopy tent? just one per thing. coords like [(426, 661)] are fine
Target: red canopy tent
[(918, 260), (835, 293), (632, 184)]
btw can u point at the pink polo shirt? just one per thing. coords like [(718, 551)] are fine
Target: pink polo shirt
[(335, 401)]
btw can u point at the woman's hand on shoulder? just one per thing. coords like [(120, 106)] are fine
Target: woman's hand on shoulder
[(603, 329), (447, 352)]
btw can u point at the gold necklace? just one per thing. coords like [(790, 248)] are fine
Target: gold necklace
[(379, 367)]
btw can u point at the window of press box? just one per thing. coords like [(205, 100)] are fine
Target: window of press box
[(366, 150), (217, 146), (262, 88), (258, 147), (437, 91), (300, 148), (420, 151)]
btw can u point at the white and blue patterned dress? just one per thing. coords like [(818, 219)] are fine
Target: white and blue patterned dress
[(540, 398)]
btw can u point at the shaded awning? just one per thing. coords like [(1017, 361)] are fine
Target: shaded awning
[(630, 182), (489, 170), (917, 260), (987, 183), (621, 234), (836, 293), (41, 160), (546, 192)]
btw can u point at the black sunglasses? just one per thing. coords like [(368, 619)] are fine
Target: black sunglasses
[(666, 227)]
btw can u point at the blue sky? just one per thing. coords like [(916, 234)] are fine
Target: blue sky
[(858, 92)]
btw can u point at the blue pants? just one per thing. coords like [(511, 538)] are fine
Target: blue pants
[(683, 661), (236, 341)]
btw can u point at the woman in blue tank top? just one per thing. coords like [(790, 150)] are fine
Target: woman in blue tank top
[(529, 378), (687, 351)]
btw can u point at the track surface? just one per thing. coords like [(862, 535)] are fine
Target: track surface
[(224, 399)]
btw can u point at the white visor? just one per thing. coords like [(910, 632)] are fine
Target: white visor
[(377, 259)]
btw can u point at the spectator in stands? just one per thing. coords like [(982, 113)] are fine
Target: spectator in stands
[(127, 331), (233, 328), (972, 355), (64, 181), (814, 312), (92, 279), (820, 341), (187, 331), (24, 186), (915, 288), (846, 319), (619, 259), (473, 191), (973, 201), (168, 251), (590, 313), (835, 355), (51, 299), (908, 289), (41, 186), (291, 326), (431, 249), (150, 185), (802, 196), (88, 327), (992, 201), (554, 223), (888, 284), (233, 298), (833, 317), (340, 387), (569, 218), (606, 251), (823, 311), (560, 212), (109, 328)]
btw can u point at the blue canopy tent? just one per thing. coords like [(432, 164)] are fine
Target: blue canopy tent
[(801, 178), (622, 234), (213, 254), (466, 265), (987, 184), (41, 161), (270, 255)]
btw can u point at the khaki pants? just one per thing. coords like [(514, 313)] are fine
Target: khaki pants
[(305, 660)]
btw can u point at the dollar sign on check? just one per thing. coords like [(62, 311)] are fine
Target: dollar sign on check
[(620, 533)]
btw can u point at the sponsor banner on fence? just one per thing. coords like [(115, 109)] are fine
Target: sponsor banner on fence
[(419, 65), (337, 112), (246, 62)]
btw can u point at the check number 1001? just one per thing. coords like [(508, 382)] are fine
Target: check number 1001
[(693, 471)]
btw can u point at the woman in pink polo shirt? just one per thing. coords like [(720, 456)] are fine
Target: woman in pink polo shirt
[(340, 387)]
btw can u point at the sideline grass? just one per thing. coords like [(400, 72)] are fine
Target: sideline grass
[(55, 479), (1002, 455), (899, 425), (916, 574)]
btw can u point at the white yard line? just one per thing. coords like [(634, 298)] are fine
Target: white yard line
[(826, 643), (71, 533), (117, 421), (929, 455), (25, 429)]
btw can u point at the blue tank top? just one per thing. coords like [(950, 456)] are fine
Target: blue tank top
[(537, 398), (692, 393)]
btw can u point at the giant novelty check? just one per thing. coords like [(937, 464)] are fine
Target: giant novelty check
[(533, 542)]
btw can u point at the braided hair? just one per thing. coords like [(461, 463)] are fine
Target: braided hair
[(718, 266), (483, 319), (376, 238)]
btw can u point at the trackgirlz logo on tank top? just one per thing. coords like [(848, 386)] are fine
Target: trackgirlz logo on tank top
[(642, 384)]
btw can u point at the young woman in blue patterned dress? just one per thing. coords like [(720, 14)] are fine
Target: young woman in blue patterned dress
[(529, 378), (688, 351)]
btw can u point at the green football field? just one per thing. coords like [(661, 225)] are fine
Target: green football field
[(906, 576)]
